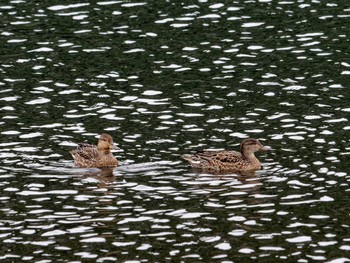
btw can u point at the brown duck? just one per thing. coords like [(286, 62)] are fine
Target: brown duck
[(224, 161), (87, 155)]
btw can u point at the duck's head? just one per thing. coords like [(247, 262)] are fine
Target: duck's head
[(250, 145), (105, 142)]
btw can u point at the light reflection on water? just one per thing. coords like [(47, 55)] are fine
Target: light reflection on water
[(163, 79), (165, 209)]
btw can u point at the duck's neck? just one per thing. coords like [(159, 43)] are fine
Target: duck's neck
[(250, 157), (104, 150)]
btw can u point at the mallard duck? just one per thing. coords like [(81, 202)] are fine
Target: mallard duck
[(221, 161), (87, 155)]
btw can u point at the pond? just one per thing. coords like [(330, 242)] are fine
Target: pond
[(165, 78)]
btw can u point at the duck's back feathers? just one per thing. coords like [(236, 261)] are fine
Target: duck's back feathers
[(222, 156), (85, 153), (215, 160)]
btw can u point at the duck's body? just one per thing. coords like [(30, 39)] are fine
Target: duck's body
[(223, 161), (87, 155)]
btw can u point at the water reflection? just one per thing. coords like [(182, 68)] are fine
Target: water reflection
[(104, 176)]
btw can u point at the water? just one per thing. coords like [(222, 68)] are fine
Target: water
[(164, 78)]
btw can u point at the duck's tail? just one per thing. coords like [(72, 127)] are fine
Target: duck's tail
[(193, 160), (187, 157)]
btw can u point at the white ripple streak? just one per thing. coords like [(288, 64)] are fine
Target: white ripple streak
[(56, 192), (42, 49), (130, 220), (253, 24), (38, 101), (62, 7), (300, 239)]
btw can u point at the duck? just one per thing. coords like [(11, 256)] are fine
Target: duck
[(87, 155), (225, 161)]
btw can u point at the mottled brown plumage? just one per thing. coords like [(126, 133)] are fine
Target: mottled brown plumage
[(223, 161), (87, 155)]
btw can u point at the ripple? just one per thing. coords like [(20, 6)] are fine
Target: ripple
[(93, 240), (38, 101), (54, 192), (252, 24), (42, 49), (299, 239), (63, 7)]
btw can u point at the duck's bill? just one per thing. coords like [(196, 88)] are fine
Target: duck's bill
[(266, 148), (116, 148)]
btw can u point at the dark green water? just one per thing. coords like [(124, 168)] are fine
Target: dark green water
[(165, 77)]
